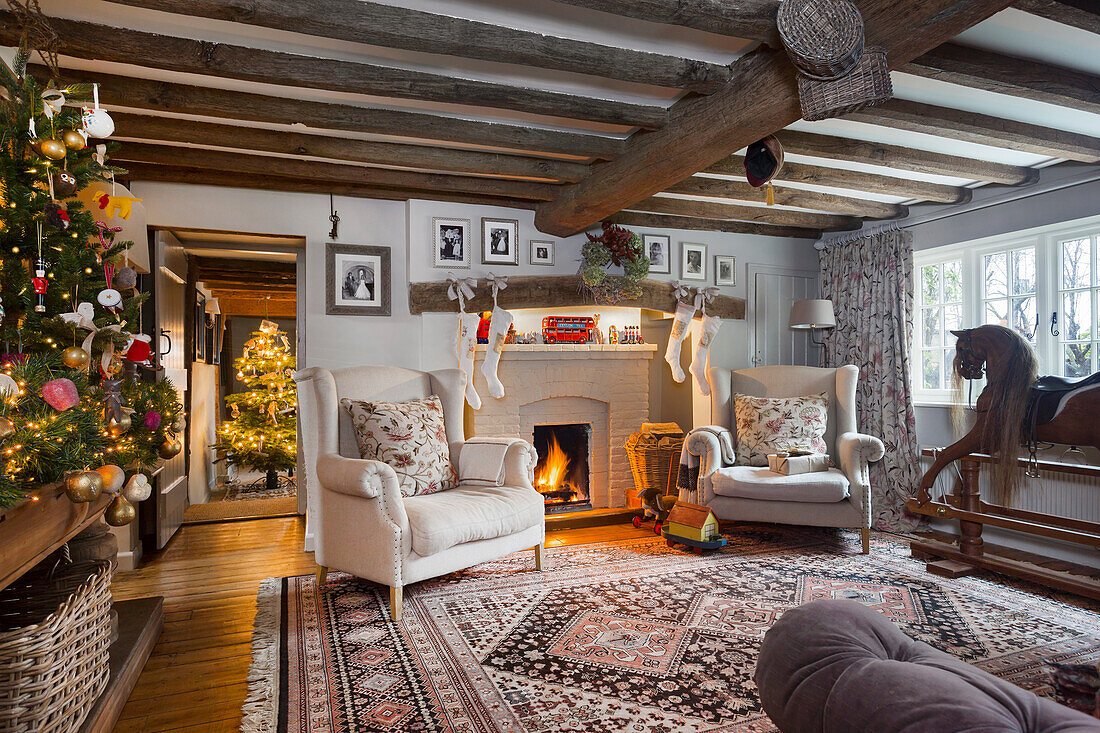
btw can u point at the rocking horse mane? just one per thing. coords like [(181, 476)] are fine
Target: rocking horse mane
[(1014, 368)]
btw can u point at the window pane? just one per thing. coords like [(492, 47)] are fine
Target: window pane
[(952, 281), (933, 326), (932, 365), (952, 321), (1023, 317), (930, 284), (1076, 264), (1078, 360), (996, 312), (996, 275), (1077, 316), (1023, 271)]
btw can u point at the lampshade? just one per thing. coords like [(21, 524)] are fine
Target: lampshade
[(806, 314), (212, 307)]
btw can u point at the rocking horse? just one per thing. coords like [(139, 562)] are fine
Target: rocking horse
[(1016, 409)]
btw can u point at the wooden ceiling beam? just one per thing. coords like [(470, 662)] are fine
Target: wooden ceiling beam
[(85, 40), (821, 175), (1083, 14), (264, 165), (389, 26), (787, 196), (758, 214), (454, 160), (995, 72), (160, 96), (753, 19), (760, 98), (253, 307), (218, 265), (909, 159), (970, 127), (663, 221)]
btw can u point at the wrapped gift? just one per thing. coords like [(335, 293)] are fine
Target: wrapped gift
[(791, 465)]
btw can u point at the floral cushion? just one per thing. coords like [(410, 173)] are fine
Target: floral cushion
[(410, 437), (770, 425)]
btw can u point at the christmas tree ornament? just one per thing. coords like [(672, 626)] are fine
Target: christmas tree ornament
[(113, 478), (75, 357), (52, 149), (138, 488), (170, 448), (64, 184), (109, 298), (119, 512), (7, 427), (8, 387), (126, 279), (60, 394), (117, 427), (57, 215), (95, 121), (179, 425), (152, 420), (40, 285), (53, 101), (139, 349), (83, 486), (74, 140)]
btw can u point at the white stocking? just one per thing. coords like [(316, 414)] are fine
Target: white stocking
[(680, 322), (464, 347), (711, 324), (498, 329)]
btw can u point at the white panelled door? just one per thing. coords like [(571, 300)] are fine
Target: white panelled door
[(772, 292)]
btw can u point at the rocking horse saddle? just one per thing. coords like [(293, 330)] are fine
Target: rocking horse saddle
[(1047, 394)]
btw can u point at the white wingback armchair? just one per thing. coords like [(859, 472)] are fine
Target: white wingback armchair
[(363, 526), (840, 497)]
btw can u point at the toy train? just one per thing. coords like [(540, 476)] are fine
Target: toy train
[(567, 329)]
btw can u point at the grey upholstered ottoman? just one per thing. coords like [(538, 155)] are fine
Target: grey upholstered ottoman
[(836, 666)]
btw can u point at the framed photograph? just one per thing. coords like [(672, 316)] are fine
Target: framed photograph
[(542, 253), (499, 241), (693, 261), (725, 270), (452, 243), (357, 280), (658, 248)]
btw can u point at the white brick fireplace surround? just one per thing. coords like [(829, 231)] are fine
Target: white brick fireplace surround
[(601, 384)]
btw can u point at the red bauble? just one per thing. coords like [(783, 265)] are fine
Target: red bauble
[(60, 394)]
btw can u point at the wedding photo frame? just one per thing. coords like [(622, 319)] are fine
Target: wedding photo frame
[(357, 280), (693, 261), (499, 241), (658, 248), (451, 238), (542, 252), (725, 270)]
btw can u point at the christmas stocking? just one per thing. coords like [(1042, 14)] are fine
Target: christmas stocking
[(498, 329), (680, 322), (711, 324), (467, 341)]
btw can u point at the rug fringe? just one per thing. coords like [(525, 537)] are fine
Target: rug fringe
[(262, 703)]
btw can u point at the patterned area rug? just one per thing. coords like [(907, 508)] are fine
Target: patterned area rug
[(614, 637), (257, 490)]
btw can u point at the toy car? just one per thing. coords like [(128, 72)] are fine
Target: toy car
[(696, 546)]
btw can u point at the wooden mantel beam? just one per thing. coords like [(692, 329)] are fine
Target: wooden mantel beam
[(753, 19), (390, 26), (995, 72), (1083, 14), (124, 45), (760, 98)]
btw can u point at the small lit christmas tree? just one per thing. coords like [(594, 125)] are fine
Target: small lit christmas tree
[(262, 435)]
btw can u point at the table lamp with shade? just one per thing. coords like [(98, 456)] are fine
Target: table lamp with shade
[(814, 315)]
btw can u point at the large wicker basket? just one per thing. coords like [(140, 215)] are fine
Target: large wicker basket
[(823, 38), (869, 83), (652, 452), (54, 636)]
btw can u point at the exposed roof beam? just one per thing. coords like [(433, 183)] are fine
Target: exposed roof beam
[(760, 98), (250, 305), (661, 221), (268, 165), (207, 177), (1083, 14), (787, 196), (759, 214), (221, 266), (856, 180), (184, 99), (123, 45), (167, 129), (389, 26), (994, 72), (909, 159), (753, 19), (975, 128)]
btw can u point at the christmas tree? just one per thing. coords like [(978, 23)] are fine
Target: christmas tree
[(72, 398), (263, 433)]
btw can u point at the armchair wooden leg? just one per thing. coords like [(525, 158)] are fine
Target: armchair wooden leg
[(865, 535), (322, 575), (539, 557), (395, 603)]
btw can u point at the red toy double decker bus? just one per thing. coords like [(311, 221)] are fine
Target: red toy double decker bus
[(566, 329)]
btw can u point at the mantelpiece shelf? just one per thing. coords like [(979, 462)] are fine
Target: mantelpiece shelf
[(576, 348)]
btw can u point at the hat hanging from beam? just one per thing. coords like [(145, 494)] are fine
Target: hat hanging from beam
[(763, 161)]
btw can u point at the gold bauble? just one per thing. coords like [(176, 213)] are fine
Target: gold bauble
[(7, 427), (73, 140), (75, 357), (170, 448), (83, 486), (120, 512), (118, 428), (52, 149), (113, 477)]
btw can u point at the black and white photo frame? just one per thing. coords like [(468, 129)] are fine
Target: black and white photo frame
[(357, 280), (451, 243), (693, 261), (499, 241), (542, 252), (658, 248), (725, 270)]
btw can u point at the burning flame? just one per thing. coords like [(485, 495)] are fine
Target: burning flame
[(551, 474)]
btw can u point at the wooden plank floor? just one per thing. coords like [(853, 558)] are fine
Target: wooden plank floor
[(196, 679)]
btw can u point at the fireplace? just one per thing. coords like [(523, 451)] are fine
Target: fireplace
[(562, 474)]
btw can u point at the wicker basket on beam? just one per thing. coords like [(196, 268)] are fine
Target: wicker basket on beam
[(823, 38)]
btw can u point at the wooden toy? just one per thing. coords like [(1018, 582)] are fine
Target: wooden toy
[(693, 525)]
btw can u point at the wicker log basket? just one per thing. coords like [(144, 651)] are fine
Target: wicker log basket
[(54, 638), (823, 38), (652, 451), (867, 84)]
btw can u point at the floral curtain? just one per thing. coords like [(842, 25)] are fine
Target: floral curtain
[(870, 282)]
